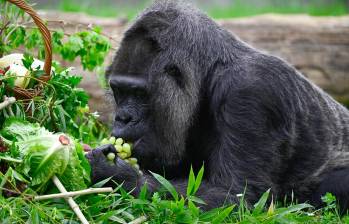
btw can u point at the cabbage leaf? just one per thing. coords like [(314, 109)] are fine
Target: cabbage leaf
[(45, 154)]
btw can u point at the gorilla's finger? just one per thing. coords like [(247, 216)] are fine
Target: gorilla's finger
[(107, 149), (104, 149), (100, 153)]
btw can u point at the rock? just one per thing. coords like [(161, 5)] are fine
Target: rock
[(317, 46)]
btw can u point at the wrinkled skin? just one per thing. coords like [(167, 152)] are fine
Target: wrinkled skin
[(189, 93)]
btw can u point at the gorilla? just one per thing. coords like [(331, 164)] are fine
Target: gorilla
[(189, 93)]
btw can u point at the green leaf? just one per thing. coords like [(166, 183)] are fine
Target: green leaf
[(193, 209), (117, 219), (73, 177), (27, 61), (102, 182), (84, 163), (293, 208), (6, 178), (198, 179), (18, 129), (209, 215), (61, 114), (166, 184), (191, 182), (43, 162), (34, 216), (196, 200), (144, 192), (222, 215), (184, 217), (259, 206)]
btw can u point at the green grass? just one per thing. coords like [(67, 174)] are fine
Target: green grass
[(240, 8), (120, 207)]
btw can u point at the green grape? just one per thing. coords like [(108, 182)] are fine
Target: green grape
[(136, 166), (124, 151), (112, 140), (119, 141), (111, 156), (126, 148), (132, 161), (105, 141), (122, 155), (118, 148)]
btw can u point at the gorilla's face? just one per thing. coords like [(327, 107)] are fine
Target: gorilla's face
[(156, 94)]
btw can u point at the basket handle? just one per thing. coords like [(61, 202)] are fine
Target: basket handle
[(44, 32)]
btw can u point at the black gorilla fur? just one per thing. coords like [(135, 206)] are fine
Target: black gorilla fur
[(188, 92)]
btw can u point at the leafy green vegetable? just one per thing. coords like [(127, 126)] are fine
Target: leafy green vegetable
[(17, 130), (42, 161), (77, 171), (45, 154)]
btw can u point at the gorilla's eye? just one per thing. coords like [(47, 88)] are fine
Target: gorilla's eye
[(175, 73)]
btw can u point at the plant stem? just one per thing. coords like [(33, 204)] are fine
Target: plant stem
[(70, 200), (9, 159), (74, 193), (7, 101)]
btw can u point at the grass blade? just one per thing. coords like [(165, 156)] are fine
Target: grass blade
[(259, 206), (165, 183)]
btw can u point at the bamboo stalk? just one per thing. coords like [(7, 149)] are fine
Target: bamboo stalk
[(70, 200), (7, 102), (74, 193)]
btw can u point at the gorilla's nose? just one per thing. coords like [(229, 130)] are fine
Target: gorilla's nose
[(123, 118)]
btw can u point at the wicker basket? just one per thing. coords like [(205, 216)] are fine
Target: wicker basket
[(21, 93)]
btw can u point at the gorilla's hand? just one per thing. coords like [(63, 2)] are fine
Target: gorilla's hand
[(102, 168)]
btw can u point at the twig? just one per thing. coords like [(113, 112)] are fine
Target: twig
[(70, 200), (7, 102), (74, 193), (139, 220)]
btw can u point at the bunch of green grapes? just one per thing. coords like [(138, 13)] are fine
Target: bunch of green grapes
[(124, 151)]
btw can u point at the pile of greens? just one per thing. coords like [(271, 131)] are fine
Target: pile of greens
[(33, 155), (33, 147), (61, 105)]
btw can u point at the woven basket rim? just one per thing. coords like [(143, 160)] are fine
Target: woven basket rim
[(46, 36)]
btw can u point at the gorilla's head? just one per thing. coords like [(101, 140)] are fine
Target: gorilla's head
[(157, 78)]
